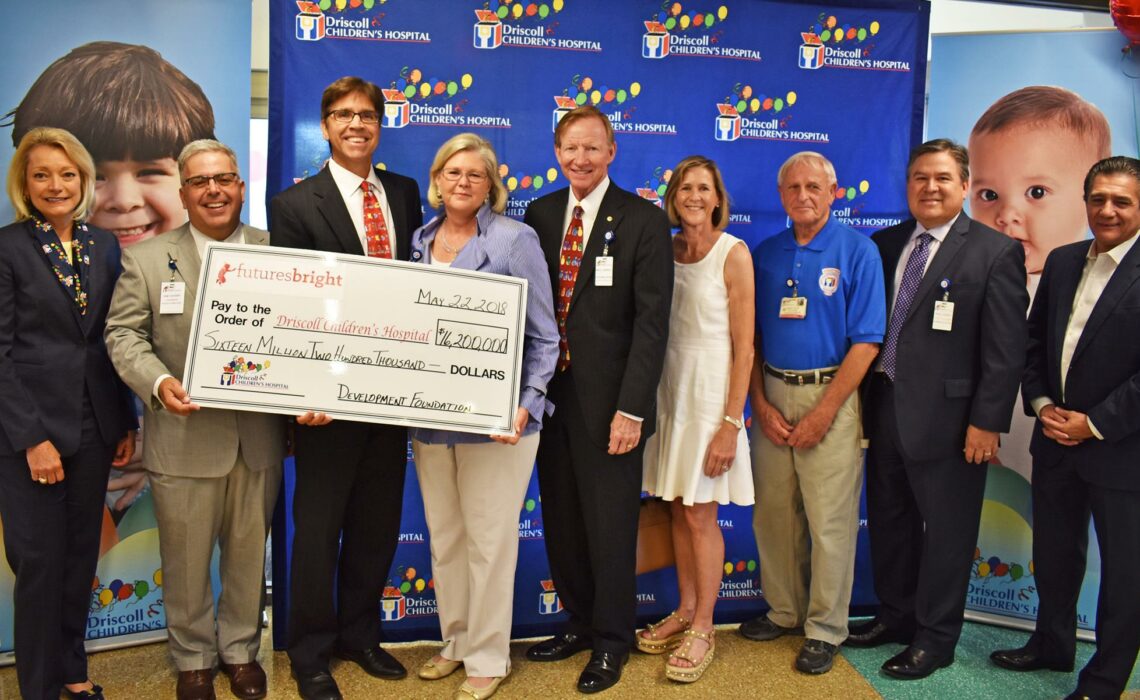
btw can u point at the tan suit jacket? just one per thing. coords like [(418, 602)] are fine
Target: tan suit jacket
[(145, 344)]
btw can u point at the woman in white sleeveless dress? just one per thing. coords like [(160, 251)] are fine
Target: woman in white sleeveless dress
[(699, 458)]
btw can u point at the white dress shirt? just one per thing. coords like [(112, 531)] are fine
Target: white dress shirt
[(350, 191), (1095, 276), (201, 240), (590, 206)]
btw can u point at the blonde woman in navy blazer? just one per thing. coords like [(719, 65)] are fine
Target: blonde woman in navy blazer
[(65, 417), (473, 485)]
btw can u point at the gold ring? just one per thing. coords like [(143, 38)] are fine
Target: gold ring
[(42, 480)]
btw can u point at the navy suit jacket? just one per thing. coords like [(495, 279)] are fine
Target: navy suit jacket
[(50, 354), (948, 380), (617, 334), (312, 215), (1104, 373)]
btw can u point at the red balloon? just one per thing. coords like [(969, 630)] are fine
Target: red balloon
[(1126, 17), (126, 591)]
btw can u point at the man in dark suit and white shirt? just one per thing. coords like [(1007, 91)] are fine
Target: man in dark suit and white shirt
[(1082, 381), (611, 264), (942, 391), (350, 475)]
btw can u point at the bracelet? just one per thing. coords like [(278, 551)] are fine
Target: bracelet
[(738, 423)]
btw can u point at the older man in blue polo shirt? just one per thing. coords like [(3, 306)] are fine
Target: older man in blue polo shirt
[(820, 317)]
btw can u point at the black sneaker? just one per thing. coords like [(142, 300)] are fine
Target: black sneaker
[(763, 630), (815, 657)]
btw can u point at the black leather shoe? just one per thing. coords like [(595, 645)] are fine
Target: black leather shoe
[(1026, 659), (816, 656), (914, 663), (873, 634), (1076, 695), (561, 647), (318, 685), (375, 662), (762, 629), (602, 672)]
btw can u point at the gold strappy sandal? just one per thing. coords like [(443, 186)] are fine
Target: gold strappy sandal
[(654, 645), (693, 673)]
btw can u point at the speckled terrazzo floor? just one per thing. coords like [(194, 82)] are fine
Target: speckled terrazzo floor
[(742, 669)]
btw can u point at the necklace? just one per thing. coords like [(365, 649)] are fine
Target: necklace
[(443, 240)]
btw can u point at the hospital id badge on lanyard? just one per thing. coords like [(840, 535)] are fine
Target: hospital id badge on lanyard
[(794, 306), (943, 310), (604, 264), (172, 295)]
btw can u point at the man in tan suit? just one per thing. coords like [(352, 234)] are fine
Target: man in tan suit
[(214, 473)]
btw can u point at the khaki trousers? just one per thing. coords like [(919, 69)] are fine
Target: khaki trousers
[(472, 495), (234, 512), (807, 515)]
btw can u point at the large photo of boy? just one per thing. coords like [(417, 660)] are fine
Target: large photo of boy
[(133, 107)]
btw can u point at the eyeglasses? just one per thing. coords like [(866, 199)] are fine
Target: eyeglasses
[(344, 116), (200, 182), (474, 177)]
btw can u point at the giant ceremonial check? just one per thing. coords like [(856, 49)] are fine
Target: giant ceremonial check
[(287, 331)]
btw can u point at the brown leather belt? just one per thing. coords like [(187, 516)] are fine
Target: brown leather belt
[(813, 376)]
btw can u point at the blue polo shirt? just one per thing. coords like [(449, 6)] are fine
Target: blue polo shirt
[(841, 274)]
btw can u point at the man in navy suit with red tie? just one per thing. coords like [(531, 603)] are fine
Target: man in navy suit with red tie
[(350, 475), (1082, 381), (611, 266)]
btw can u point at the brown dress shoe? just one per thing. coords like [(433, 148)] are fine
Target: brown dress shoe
[(195, 685), (246, 680)]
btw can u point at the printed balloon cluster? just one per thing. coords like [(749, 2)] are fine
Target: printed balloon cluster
[(674, 16), (851, 192), (748, 101), (741, 566), (828, 28), (659, 181), (522, 181), (341, 5), (119, 591), (993, 567), (585, 89), (514, 9), (409, 581), (412, 83), (239, 365)]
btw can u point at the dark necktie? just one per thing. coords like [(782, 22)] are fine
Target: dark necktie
[(912, 276)]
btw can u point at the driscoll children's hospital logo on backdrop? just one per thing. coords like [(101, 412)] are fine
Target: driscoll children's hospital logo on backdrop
[(525, 24), (829, 43), (615, 101), (740, 580), (746, 113), (350, 19), (409, 596), (675, 30), (418, 98)]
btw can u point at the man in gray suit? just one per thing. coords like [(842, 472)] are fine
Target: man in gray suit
[(214, 473)]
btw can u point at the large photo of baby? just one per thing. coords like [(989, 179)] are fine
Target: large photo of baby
[(1029, 153)]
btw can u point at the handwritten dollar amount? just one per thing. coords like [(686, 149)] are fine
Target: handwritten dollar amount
[(471, 336)]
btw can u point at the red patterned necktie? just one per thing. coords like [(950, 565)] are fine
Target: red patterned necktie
[(375, 228), (568, 264)]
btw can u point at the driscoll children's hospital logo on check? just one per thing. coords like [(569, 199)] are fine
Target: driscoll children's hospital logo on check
[(321, 20), (832, 44), (525, 24), (676, 31)]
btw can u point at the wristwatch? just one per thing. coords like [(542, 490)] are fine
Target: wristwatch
[(737, 422)]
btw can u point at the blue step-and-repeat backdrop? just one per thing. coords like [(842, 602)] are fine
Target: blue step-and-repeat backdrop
[(745, 82)]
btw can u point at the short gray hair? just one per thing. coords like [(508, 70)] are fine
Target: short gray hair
[(205, 146), (809, 158)]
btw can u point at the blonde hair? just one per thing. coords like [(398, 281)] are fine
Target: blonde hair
[(720, 213), (66, 142), (476, 144)]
